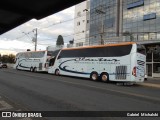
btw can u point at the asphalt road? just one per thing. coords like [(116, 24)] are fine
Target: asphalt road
[(45, 92)]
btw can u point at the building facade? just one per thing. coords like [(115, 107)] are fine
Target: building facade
[(141, 19), (105, 21), (113, 21), (81, 24)]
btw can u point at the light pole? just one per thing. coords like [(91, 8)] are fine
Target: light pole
[(35, 38)]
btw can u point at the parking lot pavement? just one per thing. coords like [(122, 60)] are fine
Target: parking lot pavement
[(151, 82)]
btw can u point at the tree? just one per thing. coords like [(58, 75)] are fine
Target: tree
[(11, 58), (8, 58), (60, 41)]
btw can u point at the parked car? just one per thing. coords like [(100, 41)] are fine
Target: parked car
[(1, 64), (4, 65)]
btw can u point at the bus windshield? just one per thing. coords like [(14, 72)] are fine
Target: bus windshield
[(52, 53)]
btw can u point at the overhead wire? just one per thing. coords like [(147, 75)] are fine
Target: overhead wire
[(64, 21)]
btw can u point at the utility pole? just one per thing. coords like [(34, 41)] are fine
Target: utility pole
[(35, 38)]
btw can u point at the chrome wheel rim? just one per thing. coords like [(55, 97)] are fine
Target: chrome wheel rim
[(104, 78), (57, 72), (94, 76)]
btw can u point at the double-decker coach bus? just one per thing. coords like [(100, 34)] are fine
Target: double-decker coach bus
[(123, 62), (34, 61)]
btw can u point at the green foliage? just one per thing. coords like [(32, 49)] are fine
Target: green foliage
[(7, 58), (60, 41)]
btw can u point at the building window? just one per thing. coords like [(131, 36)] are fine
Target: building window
[(135, 4), (149, 16), (110, 22), (156, 68), (78, 23), (79, 44), (79, 14)]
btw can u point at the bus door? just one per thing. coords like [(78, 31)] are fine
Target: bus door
[(140, 62), (52, 61)]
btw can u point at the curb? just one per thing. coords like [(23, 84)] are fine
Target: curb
[(150, 85)]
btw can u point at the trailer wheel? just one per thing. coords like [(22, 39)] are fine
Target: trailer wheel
[(94, 76), (104, 77), (31, 69), (57, 72)]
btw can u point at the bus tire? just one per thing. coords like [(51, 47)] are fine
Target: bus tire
[(31, 69), (104, 77), (94, 76), (35, 69), (57, 72)]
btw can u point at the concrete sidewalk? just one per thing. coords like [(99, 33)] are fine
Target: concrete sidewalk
[(151, 82)]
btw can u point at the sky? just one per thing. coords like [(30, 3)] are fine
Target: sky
[(20, 38)]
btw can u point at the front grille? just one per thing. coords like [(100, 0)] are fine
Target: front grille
[(40, 66), (121, 72)]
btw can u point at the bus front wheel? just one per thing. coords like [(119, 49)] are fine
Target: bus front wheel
[(94, 76), (57, 72), (104, 77)]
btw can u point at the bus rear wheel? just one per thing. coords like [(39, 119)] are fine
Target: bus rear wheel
[(35, 69), (31, 69), (104, 77), (57, 72), (94, 76)]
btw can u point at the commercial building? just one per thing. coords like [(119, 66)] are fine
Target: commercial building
[(141, 18), (127, 20), (81, 24), (105, 21)]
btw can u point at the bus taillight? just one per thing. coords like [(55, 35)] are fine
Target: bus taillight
[(134, 71)]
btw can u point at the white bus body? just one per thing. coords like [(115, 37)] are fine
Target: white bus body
[(112, 62), (34, 61)]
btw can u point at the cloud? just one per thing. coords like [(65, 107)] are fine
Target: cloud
[(20, 38)]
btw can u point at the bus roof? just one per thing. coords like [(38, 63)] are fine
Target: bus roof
[(99, 46), (33, 51)]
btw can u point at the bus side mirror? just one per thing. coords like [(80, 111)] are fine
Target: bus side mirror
[(59, 57)]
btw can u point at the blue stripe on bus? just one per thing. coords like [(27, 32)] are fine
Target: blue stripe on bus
[(84, 73)]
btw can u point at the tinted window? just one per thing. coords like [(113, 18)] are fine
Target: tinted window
[(111, 51), (135, 4), (52, 53), (149, 16), (141, 49), (39, 54)]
